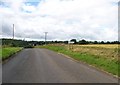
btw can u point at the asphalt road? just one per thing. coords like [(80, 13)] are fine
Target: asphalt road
[(45, 66)]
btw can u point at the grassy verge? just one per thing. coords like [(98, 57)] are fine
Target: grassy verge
[(9, 51), (109, 65), (0, 54)]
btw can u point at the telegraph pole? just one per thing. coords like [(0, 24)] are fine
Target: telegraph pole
[(13, 35), (13, 30), (45, 37)]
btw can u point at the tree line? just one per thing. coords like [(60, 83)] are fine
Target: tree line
[(23, 43), (83, 41)]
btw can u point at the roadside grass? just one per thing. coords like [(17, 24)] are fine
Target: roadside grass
[(9, 51), (106, 64), (0, 52)]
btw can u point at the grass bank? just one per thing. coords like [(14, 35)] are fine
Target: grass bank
[(107, 64), (9, 51)]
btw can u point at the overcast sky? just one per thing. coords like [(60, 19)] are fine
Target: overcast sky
[(62, 19)]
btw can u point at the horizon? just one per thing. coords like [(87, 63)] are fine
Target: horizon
[(57, 40)]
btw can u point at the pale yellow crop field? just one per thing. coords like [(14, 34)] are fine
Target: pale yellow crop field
[(109, 51), (112, 46)]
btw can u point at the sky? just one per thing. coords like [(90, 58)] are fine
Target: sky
[(62, 19)]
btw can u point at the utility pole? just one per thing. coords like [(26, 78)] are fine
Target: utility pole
[(13, 30), (13, 35), (45, 37)]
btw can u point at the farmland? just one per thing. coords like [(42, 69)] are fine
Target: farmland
[(102, 56), (106, 51)]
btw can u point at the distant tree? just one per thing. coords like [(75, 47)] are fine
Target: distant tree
[(65, 42), (83, 42), (56, 41), (115, 42), (108, 42), (73, 40), (95, 42), (102, 42), (90, 42)]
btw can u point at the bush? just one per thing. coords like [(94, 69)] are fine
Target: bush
[(28, 46)]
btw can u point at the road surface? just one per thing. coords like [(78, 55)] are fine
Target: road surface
[(45, 66)]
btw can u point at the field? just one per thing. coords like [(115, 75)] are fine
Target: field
[(105, 51), (103, 57), (8, 51)]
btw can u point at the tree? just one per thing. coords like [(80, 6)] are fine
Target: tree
[(95, 42), (73, 40), (66, 42), (107, 42), (83, 42), (102, 42)]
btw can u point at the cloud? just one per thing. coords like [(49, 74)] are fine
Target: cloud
[(62, 19)]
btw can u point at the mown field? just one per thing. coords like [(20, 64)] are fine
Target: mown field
[(104, 57), (8, 51)]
